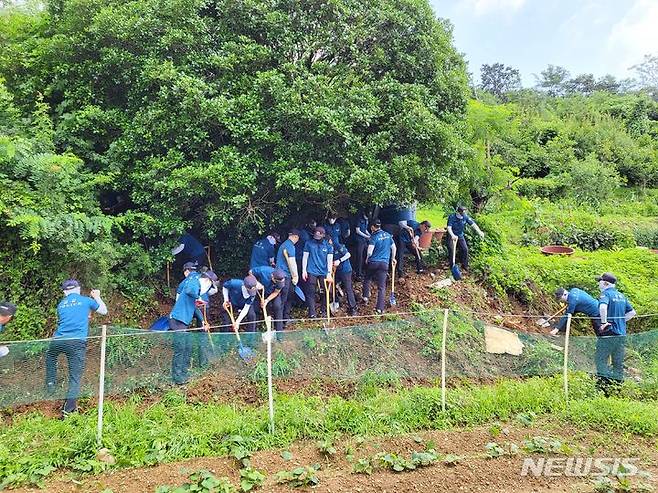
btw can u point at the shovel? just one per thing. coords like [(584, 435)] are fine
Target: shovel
[(298, 291), (544, 322), (456, 273), (334, 305), (391, 298), (206, 324), (246, 353), (325, 326)]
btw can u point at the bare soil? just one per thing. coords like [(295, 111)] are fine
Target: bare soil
[(474, 473)]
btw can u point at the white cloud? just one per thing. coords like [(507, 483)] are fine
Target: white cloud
[(482, 7), (635, 35)]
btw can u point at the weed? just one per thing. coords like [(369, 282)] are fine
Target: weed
[(282, 367), (493, 450)]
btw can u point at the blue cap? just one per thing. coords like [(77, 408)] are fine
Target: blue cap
[(70, 284)]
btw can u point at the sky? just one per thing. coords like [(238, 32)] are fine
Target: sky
[(585, 36)]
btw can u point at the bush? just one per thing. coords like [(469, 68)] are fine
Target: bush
[(543, 188), (590, 182), (646, 236)]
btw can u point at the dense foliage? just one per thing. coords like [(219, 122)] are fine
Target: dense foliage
[(224, 117), (122, 124)]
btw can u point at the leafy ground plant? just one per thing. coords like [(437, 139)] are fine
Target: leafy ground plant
[(299, 476), (494, 450), (201, 482), (543, 445), (326, 447), (250, 478)]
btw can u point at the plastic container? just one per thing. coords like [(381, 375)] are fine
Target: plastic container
[(557, 250), (393, 214)]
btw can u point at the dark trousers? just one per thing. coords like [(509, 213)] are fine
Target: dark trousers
[(287, 295), (310, 294), (377, 271), (402, 250), (462, 251), (275, 310), (610, 348), (182, 351), (75, 351), (345, 278), (359, 248), (201, 340)]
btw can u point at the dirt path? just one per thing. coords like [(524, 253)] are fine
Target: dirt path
[(473, 474)]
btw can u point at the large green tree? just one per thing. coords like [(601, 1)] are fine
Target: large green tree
[(236, 115)]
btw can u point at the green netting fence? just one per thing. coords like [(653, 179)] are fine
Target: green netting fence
[(403, 349)]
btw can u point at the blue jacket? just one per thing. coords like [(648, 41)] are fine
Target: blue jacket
[(618, 307), (185, 307), (73, 316), (344, 267), (317, 257), (382, 242), (404, 234), (261, 253), (458, 224), (579, 301), (235, 294), (193, 247), (289, 247)]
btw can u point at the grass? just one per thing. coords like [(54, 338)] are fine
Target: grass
[(33, 446)]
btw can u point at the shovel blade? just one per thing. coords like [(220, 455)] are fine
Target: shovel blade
[(392, 300), (246, 353), (334, 307), (300, 293), (456, 273)]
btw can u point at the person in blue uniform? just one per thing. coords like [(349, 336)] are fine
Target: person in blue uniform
[(286, 261), (208, 280), (457, 223), (332, 228), (410, 233), (360, 240), (240, 297), (180, 318), (344, 275), (189, 249), (381, 251), (317, 264), (70, 338), (615, 311), (578, 301), (264, 251), (305, 234), (273, 283)]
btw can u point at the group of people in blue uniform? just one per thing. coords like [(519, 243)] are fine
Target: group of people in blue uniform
[(609, 315)]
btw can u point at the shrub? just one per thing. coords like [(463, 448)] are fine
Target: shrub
[(544, 188)]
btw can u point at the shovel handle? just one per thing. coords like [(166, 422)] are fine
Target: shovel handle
[(232, 317), (454, 250), (326, 291)]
